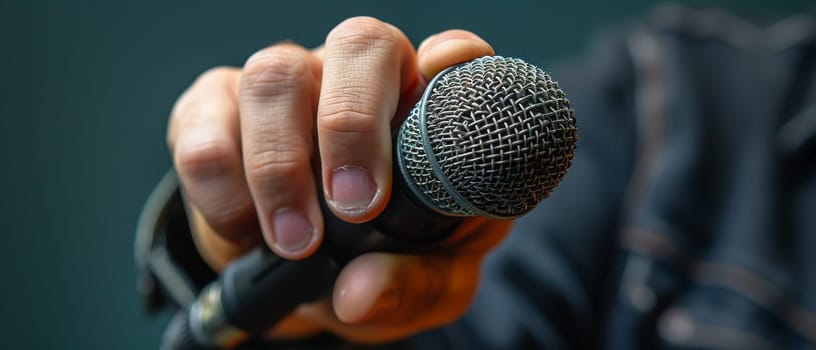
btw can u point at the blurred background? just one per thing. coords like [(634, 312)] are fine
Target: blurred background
[(85, 91)]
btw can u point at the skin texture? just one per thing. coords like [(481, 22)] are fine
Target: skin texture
[(247, 143)]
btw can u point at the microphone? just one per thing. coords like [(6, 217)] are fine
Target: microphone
[(491, 137)]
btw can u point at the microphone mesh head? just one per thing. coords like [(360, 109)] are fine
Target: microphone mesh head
[(491, 137)]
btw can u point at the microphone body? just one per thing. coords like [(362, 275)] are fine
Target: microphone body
[(491, 137)]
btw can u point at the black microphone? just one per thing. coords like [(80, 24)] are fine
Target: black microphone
[(491, 137)]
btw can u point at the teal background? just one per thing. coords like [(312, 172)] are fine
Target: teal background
[(85, 90)]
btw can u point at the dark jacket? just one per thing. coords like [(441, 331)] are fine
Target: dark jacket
[(688, 218)]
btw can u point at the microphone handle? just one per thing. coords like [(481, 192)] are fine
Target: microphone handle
[(261, 288), (257, 290)]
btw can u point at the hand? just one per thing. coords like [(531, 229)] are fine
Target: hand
[(243, 144)]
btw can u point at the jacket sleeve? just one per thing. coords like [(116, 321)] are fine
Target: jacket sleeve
[(545, 286)]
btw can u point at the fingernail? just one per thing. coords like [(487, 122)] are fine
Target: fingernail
[(385, 305), (292, 231), (352, 189)]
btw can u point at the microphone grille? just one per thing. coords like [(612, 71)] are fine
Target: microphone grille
[(491, 137)]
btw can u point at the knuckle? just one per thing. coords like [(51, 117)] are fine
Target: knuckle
[(181, 107), (216, 74), (203, 159), (348, 119), (276, 166), (190, 103), (275, 70), (182, 104), (175, 116), (187, 101), (362, 34)]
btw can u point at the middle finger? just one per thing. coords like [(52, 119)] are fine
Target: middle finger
[(367, 64)]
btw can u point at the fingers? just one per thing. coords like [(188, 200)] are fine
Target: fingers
[(450, 48), (367, 65), (278, 94), (203, 137), (380, 297)]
